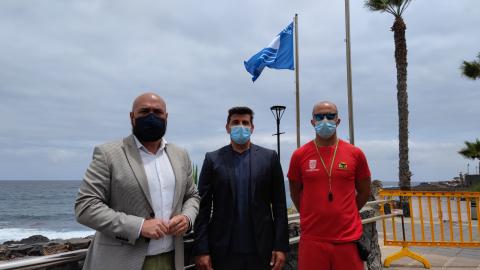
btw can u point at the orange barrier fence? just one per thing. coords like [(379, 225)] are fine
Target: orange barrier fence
[(430, 218)]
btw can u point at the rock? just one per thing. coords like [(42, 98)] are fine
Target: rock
[(3, 253), (374, 261), (77, 243), (54, 248), (19, 251), (37, 250), (375, 187), (370, 234), (38, 245), (34, 239), (293, 229)]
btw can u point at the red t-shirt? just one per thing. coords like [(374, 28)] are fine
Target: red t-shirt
[(320, 219)]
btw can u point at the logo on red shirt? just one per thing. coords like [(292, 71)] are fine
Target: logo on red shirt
[(312, 165), (342, 165)]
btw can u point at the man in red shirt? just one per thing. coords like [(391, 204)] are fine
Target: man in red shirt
[(329, 182)]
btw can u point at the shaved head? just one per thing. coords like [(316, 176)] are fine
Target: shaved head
[(148, 103), (324, 107), (148, 97)]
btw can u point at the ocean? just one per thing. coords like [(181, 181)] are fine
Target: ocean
[(44, 207), (39, 207), (47, 208)]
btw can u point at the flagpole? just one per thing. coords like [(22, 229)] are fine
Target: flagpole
[(297, 82), (349, 72)]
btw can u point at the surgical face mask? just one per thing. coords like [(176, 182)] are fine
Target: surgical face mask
[(325, 129), (240, 134), (149, 128)]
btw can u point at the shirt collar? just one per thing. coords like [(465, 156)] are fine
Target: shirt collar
[(141, 147)]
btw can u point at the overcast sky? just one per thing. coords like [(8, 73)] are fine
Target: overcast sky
[(69, 71)]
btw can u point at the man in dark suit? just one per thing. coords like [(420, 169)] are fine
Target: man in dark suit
[(242, 222)]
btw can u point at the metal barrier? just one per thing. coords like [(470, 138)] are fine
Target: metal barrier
[(432, 218)]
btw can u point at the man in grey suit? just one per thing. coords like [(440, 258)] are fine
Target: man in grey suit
[(139, 195)]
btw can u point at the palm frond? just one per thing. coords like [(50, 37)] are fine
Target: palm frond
[(394, 7), (405, 5), (376, 5), (471, 70), (471, 150)]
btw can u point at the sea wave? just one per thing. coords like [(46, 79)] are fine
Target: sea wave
[(16, 234)]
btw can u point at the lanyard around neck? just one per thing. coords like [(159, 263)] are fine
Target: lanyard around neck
[(329, 173)]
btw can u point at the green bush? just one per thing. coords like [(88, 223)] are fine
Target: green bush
[(475, 188)]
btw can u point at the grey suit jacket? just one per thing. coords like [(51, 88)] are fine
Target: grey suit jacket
[(114, 199)]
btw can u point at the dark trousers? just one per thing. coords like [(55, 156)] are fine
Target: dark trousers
[(240, 262)]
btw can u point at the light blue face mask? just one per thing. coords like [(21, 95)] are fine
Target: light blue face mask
[(240, 134), (325, 129)]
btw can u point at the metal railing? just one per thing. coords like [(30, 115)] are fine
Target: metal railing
[(45, 261), (78, 255)]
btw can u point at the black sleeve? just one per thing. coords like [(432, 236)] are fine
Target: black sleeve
[(279, 206), (205, 190)]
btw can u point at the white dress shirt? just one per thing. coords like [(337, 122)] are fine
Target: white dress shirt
[(161, 184)]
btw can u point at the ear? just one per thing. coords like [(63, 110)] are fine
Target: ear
[(227, 128), (313, 122), (338, 121), (252, 128), (132, 118)]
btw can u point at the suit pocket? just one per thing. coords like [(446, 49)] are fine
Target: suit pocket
[(107, 241)]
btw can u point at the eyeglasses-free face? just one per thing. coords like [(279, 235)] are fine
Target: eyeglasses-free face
[(321, 116)]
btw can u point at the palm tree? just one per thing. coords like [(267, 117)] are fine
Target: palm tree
[(396, 8), (471, 150), (471, 70)]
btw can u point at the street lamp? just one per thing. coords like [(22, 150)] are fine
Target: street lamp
[(277, 111)]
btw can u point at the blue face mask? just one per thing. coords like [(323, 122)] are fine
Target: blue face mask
[(240, 134), (325, 129)]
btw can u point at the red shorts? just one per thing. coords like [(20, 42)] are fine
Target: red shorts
[(313, 255)]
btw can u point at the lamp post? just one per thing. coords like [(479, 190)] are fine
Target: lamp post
[(277, 111)]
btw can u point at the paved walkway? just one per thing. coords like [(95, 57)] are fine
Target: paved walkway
[(448, 258), (440, 258)]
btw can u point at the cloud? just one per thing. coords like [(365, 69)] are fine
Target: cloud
[(70, 70)]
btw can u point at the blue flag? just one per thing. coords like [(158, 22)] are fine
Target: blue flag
[(278, 54)]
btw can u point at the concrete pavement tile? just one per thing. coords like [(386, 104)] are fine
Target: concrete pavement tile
[(469, 255), (436, 260), (471, 251), (462, 267), (463, 262)]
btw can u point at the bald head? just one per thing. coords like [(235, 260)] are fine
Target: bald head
[(148, 103), (324, 114), (324, 107), (148, 98)]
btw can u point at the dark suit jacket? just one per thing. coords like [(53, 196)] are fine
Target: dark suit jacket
[(213, 226)]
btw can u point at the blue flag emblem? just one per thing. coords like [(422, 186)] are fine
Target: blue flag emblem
[(278, 54)]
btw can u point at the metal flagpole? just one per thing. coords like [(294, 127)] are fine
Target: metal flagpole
[(297, 82), (349, 72)]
